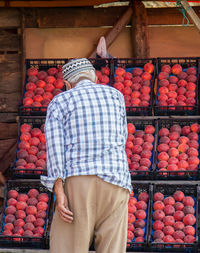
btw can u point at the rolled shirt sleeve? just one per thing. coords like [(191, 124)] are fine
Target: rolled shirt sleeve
[(124, 117), (55, 139)]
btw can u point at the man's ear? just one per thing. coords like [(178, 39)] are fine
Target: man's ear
[(68, 85)]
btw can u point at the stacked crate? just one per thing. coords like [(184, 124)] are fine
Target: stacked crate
[(171, 154), (139, 80), (28, 204)]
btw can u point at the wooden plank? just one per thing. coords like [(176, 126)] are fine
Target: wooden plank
[(9, 17), (78, 17), (117, 28), (31, 16), (23, 50), (5, 145), (174, 41), (164, 16), (9, 155), (8, 131), (10, 73), (140, 40), (167, 16), (9, 102), (10, 82), (9, 117), (58, 3), (191, 13), (9, 40)]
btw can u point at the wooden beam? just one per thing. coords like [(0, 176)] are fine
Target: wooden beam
[(191, 13), (166, 16), (117, 28), (59, 3), (119, 25), (77, 17), (9, 17), (140, 41)]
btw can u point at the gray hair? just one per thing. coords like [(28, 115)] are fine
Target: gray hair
[(87, 74)]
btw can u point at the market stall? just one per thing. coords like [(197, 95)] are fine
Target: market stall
[(155, 66)]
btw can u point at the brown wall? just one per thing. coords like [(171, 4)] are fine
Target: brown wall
[(79, 42), (72, 42)]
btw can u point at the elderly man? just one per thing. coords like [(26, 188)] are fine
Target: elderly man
[(86, 133)]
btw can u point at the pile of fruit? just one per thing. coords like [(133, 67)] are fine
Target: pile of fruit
[(103, 75), (137, 216), (42, 86), (25, 214), (177, 87), (139, 148), (135, 86), (31, 153), (173, 219), (178, 149)]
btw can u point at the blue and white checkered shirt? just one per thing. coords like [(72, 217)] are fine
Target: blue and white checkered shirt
[(86, 132)]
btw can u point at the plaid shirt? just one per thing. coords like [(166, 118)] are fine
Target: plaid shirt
[(86, 132)]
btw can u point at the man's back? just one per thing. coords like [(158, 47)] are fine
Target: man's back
[(86, 133), (95, 132)]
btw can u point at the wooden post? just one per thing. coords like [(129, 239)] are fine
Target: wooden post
[(23, 50), (117, 28), (140, 42), (191, 13)]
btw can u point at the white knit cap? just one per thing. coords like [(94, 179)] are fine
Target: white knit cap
[(75, 66)]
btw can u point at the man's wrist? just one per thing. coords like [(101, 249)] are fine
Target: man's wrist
[(58, 186)]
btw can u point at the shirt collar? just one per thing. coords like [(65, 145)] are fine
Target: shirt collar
[(84, 82)]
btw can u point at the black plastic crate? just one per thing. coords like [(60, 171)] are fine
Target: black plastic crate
[(175, 175), (99, 64), (141, 246), (22, 186), (168, 190), (34, 122), (51, 213), (129, 64), (140, 124), (185, 62), (41, 65)]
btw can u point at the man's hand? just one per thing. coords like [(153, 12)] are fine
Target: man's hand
[(62, 202)]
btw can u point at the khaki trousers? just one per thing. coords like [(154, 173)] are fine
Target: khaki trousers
[(100, 209)]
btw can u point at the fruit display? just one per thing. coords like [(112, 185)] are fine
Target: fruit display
[(44, 81), (135, 79), (102, 70), (177, 89), (31, 152), (103, 75), (174, 221), (140, 148), (138, 215), (178, 149), (25, 215)]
